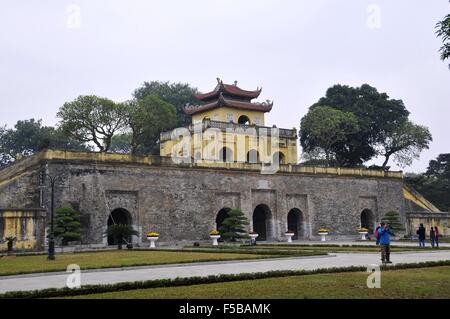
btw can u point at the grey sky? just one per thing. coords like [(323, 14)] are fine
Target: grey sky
[(295, 50)]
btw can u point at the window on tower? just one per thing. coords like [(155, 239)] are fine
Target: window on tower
[(243, 119)]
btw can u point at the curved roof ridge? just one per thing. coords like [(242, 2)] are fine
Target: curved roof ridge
[(231, 89)]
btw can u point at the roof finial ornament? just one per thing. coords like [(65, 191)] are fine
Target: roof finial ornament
[(218, 80), (235, 83)]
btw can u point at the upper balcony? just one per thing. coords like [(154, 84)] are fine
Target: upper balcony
[(231, 127)]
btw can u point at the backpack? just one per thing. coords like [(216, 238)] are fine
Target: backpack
[(376, 232)]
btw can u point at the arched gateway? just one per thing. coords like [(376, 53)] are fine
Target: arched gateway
[(368, 220), (119, 216), (221, 215), (262, 221), (295, 222)]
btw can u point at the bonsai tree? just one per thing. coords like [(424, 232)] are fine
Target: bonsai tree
[(10, 242), (233, 226), (67, 225), (119, 232), (393, 218)]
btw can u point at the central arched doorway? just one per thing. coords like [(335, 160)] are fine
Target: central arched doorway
[(262, 221), (221, 215), (253, 157), (119, 216), (295, 222), (226, 155), (368, 220)]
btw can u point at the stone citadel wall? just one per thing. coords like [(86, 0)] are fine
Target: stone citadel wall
[(182, 201)]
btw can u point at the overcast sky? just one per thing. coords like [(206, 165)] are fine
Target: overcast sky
[(53, 51)]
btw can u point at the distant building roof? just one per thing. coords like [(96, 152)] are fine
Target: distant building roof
[(223, 101), (231, 90), (228, 95)]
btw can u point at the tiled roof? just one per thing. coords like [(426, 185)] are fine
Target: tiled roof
[(223, 101), (228, 89)]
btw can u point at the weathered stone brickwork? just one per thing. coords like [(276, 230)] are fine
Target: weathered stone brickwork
[(181, 203)]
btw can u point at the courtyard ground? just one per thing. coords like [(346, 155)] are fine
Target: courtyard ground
[(112, 276), (330, 248), (10, 265), (433, 282)]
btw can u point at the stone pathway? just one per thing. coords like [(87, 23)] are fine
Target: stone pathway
[(357, 243), (111, 276)]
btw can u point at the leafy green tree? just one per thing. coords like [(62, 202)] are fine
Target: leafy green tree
[(92, 119), (121, 232), (323, 128), (440, 167), (177, 94), (29, 137), (121, 143), (405, 142), (434, 184), (233, 226), (67, 225), (393, 218), (443, 31), (376, 113), (147, 118)]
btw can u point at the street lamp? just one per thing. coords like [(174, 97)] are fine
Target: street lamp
[(51, 238)]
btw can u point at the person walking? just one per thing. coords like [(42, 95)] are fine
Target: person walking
[(377, 234), (421, 233), (436, 236), (432, 237), (385, 242)]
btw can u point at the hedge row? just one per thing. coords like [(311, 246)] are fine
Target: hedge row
[(93, 289), (257, 251)]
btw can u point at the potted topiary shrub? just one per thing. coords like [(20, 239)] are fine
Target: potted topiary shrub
[(153, 237), (214, 235), (323, 232), (10, 243)]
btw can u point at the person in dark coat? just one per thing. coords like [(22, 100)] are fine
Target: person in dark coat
[(437, 235), (421, 233), (432, 237)]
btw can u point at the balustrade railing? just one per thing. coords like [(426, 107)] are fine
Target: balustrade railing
[(233, 128)]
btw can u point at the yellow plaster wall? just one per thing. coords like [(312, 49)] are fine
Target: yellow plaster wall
[(150, 160), (240, 145), (220, 114), (441, 223), (12, 226), (419, 200)]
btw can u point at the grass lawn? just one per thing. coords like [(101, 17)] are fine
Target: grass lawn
[(104, 259), (357, 249), (441, 240), (325, 248), (433, 282)]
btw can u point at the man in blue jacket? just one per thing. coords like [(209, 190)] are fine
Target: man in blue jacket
[(385, 234)]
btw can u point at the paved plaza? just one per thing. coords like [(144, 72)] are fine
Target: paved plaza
[(111, 276)]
